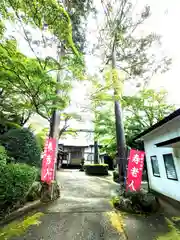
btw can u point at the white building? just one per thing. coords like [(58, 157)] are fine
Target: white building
[(73, 154), (162, 147)]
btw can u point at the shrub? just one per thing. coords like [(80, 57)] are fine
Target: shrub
[(3, 156), (40, 140), (15, 182), (21, 145), (109, 160), (5, 126), (116, 176), (35, 192), (115, 201), (38, 178), (96, 169), (138, 202)]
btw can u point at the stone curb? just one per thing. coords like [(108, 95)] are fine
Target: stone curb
[(21, 211)]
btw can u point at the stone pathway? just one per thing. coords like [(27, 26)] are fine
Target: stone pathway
[(83, 211)]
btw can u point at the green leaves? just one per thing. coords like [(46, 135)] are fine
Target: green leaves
[(140, 112), (38, 13), (78, 11), (22, 146), (144, 110), (136, 53), (29, 84), (25, 86), (149, 105), (15, 182)]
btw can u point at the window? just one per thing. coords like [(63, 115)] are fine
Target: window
[(155, 166), (170, 167), (77, 154)]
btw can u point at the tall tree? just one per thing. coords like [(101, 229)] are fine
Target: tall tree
[(24, 83), (27, 17), (144, 110), (27, 89), (128, 52), (140, 112), (79, 10)]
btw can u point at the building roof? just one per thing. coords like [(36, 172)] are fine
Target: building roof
[(92, 145), (78, 146), (168, 142), (159, 124)]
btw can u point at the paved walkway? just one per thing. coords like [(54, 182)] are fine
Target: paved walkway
[(83, 211)]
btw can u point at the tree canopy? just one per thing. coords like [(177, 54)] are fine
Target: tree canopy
[(135, 54), (25, 86), (28, 81), (28, 84), (126, 55), (79, 11), (140, 113)]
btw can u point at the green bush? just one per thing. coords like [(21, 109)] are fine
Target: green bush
[(15, 182), (96, 169), (3, 156), (138, 202), (40, 140), (116, 176), (34, 192), (5, 126), (38, 178), (22, 146)]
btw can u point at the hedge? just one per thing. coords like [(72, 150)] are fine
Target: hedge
[(3, 156), (15, 182), (96, 169), (22, 146), (5, 126)]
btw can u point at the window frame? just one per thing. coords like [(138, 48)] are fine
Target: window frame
[(174, 179), (76, 154), (154, 174)]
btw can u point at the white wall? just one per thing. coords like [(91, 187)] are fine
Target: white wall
[(162, 184), (87, 157)]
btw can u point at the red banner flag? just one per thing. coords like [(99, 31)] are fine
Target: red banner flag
[(135, 170), (48, 163)]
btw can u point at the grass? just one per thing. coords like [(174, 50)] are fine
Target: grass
[(173, 234), (16, 229), (117, 222), (114, 201)]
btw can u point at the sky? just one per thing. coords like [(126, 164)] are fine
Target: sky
[(164, 21)]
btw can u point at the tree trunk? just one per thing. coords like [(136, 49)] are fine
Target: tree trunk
[(49, 191), (120, 136), (96, 154)]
